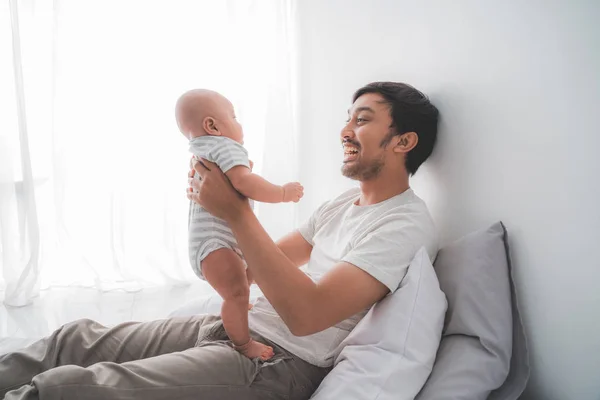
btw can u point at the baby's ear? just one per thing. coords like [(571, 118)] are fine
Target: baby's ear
[(210, 126)]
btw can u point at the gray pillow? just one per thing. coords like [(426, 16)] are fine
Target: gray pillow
[(483, 352)]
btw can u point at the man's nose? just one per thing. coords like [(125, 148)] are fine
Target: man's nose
[(347, 132)]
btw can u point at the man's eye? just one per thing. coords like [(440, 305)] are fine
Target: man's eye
[(359, 120)]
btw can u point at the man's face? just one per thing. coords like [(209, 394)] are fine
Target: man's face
[(368, 124)]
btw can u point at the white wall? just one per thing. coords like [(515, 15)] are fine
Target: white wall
[(518, 86)]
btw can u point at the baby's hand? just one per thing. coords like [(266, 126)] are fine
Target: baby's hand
[(292, 191)]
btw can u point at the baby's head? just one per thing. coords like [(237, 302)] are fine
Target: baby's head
[(202, 112)]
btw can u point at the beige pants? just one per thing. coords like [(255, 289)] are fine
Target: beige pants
[(178, 358)]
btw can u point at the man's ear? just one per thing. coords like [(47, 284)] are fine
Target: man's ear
[(210, 126), (405, 142)]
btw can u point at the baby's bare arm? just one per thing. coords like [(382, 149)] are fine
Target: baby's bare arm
[(254, 186)]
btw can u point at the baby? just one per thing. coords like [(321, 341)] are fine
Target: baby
[(208, 120)]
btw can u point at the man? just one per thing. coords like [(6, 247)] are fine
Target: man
[(358, 248)]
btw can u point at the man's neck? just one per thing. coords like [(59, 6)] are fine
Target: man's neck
[(384, 187)]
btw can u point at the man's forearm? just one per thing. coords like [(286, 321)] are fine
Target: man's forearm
[(258, 188), (290, 291)]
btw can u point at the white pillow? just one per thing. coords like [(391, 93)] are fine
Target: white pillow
[(391, 351)]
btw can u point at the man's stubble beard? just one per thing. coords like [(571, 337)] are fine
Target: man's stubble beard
[(363, 171)]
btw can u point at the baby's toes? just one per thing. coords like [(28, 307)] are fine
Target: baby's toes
[(267, 353)]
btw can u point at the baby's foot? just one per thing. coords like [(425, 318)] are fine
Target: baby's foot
[(254, 349)]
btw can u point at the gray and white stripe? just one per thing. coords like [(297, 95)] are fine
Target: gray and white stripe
[(206, 233), (225, 152)]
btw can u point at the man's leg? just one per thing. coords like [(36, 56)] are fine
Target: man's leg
[(212, 370), (85, 342)]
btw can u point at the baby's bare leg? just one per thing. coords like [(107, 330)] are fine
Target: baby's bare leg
[(249, 277), (250, 280), (225, 271)]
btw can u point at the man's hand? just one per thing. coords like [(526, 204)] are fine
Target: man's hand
[(214, 192), (292, 191), (251, 165)]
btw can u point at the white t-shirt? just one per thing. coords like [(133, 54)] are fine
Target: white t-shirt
[(381, 239)]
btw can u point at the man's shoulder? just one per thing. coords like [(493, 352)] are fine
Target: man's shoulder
[(404, 205), (406, 221), (417, 226), (409, 211)]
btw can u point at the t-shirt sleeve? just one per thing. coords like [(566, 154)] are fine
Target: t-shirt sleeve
[(228, 154), (386, 252), (309, 228)]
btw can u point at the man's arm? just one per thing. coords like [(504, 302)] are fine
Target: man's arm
[(306, 307), (257, 188), (295, 248)]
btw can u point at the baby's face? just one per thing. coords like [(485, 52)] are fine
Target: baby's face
[(230, 127)]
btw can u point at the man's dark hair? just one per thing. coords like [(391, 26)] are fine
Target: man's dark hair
[(411, 111)]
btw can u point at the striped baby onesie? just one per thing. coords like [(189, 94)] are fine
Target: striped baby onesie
[(207, 233)]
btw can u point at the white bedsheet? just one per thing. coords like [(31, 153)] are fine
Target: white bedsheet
[(22, 326)]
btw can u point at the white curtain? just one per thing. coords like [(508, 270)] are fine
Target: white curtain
[(93, 170)]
